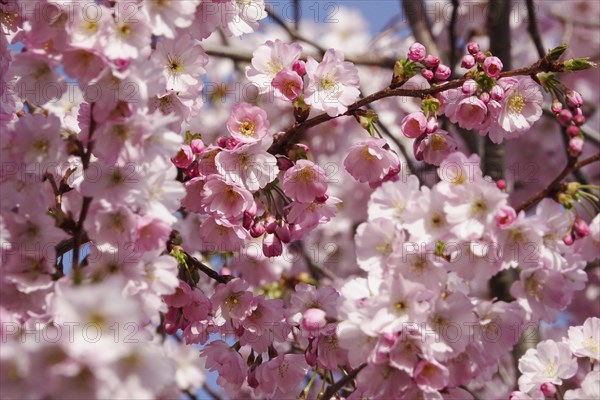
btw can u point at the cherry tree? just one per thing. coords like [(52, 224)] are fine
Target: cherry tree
[(230, 199)]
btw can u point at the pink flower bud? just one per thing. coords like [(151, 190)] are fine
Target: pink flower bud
[(231, 143), (573, 131), (122, 63), (258, 229), (505, 217), (427, 74), (574, 99), (575, 146), (222, 141), (432, 125), (270, 224), (479, 57), (468, 61), (473, 47), (418, 150), (283, 233), (485, 97), (501, 184), (284, 163), (568, 239), (248, 220), (288, 85), (469, 87), (556, 106), (497, 93), (416, 52), (272, 246), (564, 117), (413, 125), (548, 389), (299, 67), (492, 66), (322, 199), (197, 146), (442, 72), (580, 227), (184, 157), (313, 319), (431, 61), (579, 120)]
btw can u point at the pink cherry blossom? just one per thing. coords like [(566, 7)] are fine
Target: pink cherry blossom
[(332, 84), (548, 362), (369, 161), (288, 85), (248, 123), (269, 59), (305, 181)]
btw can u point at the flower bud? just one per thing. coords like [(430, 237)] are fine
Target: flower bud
[(492, 66), (413, 125), (575, 146), (431, 61), (416, 52), (573, 131), (579, 120), (248, 220), (485, 97), (258, 229), (573, 187), (469, 87), (231, 143), (197, 146), (548, 389), (272, 246), (427, 74), (479, 57), (284, 163), (184, 157), (299, 67), (283, 233), (501, 184), (505, 217), (497, 93), (568, 239), (468, 61), (580, 227), (574, 99), (564, 117), (473, 47), (313, 319), (221, 141), (556, 106), (432, 125), (442, 72), (270, 224), (322, 199)]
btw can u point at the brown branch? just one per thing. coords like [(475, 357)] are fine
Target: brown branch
[(452, 36), (572, 165), (533, 29), (293, 133), (333, 389), (211, 273)]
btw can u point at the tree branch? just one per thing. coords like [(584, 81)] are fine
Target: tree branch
[(452, 36), (572, 165), (333, 389), (211, 273), (417, 19), (293, 133), (533, 29)]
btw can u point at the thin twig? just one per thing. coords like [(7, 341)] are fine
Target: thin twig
[(333, 389), (453, 19), (533, 29), (293, 133), (572, 165), (294, 35), (211, 273), (417, 19)]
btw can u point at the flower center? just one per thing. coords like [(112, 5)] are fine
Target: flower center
[(247, 128), (438, 142), (175, 65), (124, 29), (516, 104), (591, 345), (550, 369), (305, 175)]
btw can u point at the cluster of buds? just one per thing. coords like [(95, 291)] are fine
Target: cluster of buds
[(485, 69), (491, 65), (573, 192), (418, 60), (571, 117)]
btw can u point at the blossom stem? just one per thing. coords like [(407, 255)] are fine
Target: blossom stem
[(552, 186), (333, 389)]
